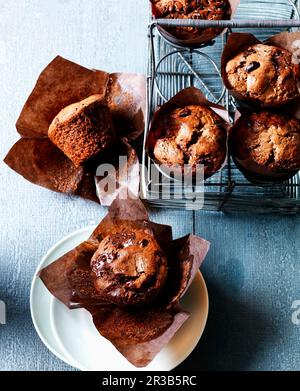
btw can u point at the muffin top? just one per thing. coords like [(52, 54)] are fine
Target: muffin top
[(129, 268), (269, 140), (192, 9), (265, 73), (83, 129), (190, 135)]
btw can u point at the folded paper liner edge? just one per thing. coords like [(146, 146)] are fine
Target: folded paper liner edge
[(60, 84)]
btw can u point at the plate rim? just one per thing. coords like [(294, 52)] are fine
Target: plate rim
[(32, 286)]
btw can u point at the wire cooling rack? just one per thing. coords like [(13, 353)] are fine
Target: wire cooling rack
[(172, 68)]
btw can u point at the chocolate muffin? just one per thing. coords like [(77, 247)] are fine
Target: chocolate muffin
[(190, 135), (129, 268), (264, 73), (192, 9), (267, 145), (83, 130)]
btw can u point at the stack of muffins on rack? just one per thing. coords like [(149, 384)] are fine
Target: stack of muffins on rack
[(265, 139), (189, 131), (263, 78)]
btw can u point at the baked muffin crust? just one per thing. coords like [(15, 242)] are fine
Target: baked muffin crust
[(83, 130), (267, 143), (264, 73), (129, 268), (190, 135), (193, 9)]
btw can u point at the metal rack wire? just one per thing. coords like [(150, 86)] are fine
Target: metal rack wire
[(172, 68)]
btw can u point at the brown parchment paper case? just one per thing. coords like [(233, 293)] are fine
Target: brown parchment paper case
[(122, 182), (194, 41), (186, 97), (139, 333), (237, 42), (60, 84), (253, 171)]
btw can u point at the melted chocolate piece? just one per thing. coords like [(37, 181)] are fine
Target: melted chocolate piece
[(253, 66)]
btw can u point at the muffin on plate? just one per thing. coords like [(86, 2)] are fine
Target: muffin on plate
[(263, 73), (129, 268), (266, 146), (192, 9), (190, 135), (83, 130)]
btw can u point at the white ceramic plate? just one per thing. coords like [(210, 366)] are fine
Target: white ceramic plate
[(72, 337)]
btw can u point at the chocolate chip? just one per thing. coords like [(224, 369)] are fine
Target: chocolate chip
[(195, 137), (184, 113), (252, 66), (145, 243), (205, 160)]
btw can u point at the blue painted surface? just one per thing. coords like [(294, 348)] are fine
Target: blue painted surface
[(253, 268)]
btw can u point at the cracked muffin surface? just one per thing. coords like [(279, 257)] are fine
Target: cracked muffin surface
[(193, 9), (129, 268), (268, 141), (83, 130), (265, 73), (190, 135)]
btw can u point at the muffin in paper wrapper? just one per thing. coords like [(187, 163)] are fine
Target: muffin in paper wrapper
[(252, 171), (195, 37), (62, 83), (186, 97), (237, 42), (139, 333)]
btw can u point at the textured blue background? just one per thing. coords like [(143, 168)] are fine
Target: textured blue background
[(253, 269)]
